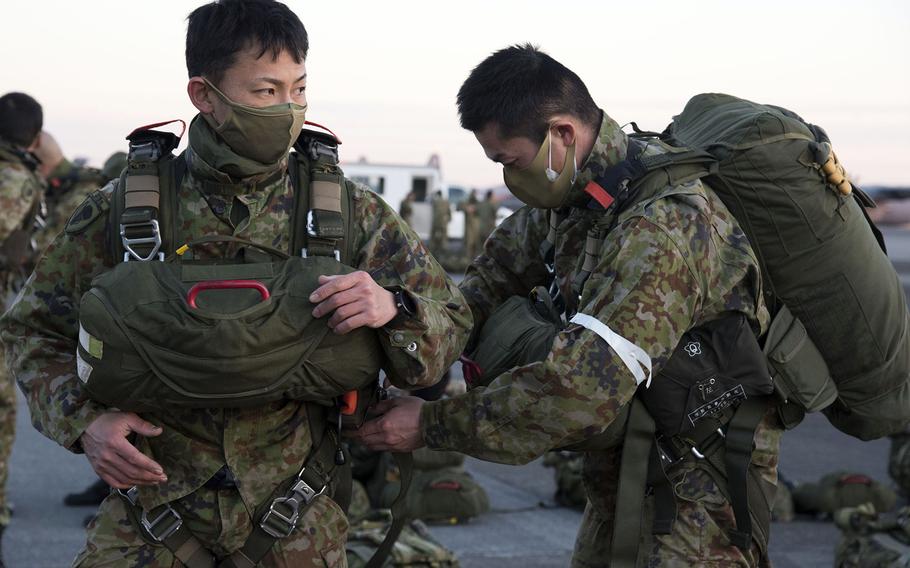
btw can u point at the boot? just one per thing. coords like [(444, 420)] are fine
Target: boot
[(93, 495)]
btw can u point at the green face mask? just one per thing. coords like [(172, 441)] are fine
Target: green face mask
[(265, 134), (539, 185)]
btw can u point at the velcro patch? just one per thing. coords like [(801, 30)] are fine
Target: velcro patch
[(94, 206)]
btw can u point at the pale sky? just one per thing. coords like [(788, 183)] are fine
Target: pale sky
[(384, 75)]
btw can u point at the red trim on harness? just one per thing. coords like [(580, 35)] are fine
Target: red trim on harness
[(157, 124), (470, 369), (337, 139), (599, 194), (348, 403)]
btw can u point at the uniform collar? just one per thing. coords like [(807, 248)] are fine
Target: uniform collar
[(609, 150)]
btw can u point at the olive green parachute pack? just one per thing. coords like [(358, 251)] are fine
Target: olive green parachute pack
[(162, 329), (871, 539), (415, 547), (841, 490), (839, 339)]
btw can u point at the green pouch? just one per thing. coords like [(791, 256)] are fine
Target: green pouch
[(442, 495), (415, 546), (799, 372)]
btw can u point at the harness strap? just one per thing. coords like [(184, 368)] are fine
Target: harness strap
[(633, 472), (405, 464), (738, 456), (321, 201), (664, 498)]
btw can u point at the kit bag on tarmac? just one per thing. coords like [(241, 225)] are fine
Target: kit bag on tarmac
[(840, 340)]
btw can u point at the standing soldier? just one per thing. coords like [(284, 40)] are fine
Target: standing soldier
[(67, 187), (254, 479), (406, 209), (665, 260), (486, 214), (21, 118), (471, 225), (442, 214)]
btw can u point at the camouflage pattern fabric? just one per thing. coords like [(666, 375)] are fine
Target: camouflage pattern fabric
[(19, 188), (669, 264), (221, 522), (873, 540), (414, 548), (68, 186), (263, 445), (899, 462)]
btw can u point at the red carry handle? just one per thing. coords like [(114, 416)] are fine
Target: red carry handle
[(349, 403), (225, 285)]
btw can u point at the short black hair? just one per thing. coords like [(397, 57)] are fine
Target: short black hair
[(519, 88), (21, 119), (216, 32)]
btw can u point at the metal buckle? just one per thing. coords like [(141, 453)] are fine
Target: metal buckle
[(145, 151), (316, 148), (304, 253), (151, 526), (130, 494), (155, 240), (300, 494)]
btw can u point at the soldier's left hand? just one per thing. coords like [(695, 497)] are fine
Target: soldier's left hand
[(396, 430), (356, 300)]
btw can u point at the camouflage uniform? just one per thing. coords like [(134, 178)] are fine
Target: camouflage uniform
[(486, 217), (67, 187), (672, 262), (471, 227), (261, 446), (439, 231), (20, 189)]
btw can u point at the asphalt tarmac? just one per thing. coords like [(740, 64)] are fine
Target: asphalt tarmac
[(524, 529)]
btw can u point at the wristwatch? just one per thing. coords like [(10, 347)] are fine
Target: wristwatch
[(404, 304)]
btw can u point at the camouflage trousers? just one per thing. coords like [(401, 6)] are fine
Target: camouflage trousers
[(7, 414), (221, 522), (699, 537)]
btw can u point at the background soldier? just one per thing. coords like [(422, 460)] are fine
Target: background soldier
[(21, 118), (662, 270), (486, 216), (216, 466), (471, 226), (406, 210), (442, 214)]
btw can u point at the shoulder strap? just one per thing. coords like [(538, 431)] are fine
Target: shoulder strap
[(321, 220), (146, 197)]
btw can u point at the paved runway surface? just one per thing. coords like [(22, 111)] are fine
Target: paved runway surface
[(524, 529)]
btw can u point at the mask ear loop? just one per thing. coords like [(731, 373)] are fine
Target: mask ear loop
[(551, 173)]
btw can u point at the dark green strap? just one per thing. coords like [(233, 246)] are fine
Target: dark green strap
[(633, 472), (664, 498), (405, 464), (738, 457), (163, 526)]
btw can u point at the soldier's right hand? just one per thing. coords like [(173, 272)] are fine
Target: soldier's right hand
[(113, 457)]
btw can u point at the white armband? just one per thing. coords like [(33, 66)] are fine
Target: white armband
[(633, 356)]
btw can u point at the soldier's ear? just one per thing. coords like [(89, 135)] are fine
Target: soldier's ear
[(200, 95)]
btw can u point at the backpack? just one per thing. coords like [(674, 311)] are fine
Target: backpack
[(415, 548), (840, 490), (841, 339)]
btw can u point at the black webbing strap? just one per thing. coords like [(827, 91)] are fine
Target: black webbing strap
[(738, 456), (633, 472), (664, 498), (405, 464)]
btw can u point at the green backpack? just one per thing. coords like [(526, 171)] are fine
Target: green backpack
[(840, 490), (846, 347)]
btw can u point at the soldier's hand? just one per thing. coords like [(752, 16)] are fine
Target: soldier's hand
[(397, 429), (356, 300), (113, 457)]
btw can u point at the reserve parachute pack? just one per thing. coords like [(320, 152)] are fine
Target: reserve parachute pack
[(840, 341), (162, 329)]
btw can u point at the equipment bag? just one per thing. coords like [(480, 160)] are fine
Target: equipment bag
[(873, 540), (840, 490), (820, 255), (415, 548), (444, 495)]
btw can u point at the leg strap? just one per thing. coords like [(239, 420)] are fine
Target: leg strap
[(738, 450), (405, 464), (633, 473)]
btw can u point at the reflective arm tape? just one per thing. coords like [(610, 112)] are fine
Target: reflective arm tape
[(632, 355)]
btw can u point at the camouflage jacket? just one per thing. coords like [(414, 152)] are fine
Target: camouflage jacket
[(67, 187), (20, 194), (261, 445), (670, 262)]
